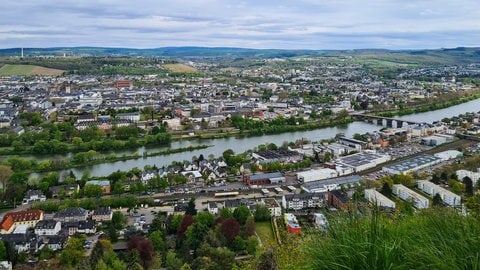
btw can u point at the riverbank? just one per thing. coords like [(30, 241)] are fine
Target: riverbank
[(428, 107)]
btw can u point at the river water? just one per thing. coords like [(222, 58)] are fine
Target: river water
[(242, 144)]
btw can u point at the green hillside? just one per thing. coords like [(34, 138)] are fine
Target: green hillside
[(12, 70)]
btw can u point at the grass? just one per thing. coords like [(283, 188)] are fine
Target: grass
[(264, 231), (12, 70), (181, 68), (432, 239)]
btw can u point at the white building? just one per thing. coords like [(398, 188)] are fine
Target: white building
[(378, 198), (273, 206), (409, 195), (315, 175), (474, 176), (447, 196), (48, 227)]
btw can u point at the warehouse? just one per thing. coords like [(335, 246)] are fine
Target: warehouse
[(315, 175), (264, 178), (412, 164), (331, 184), (362, 161)]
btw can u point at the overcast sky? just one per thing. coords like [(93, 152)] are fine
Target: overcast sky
[(280, 24)]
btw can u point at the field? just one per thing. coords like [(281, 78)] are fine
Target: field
[(264, 231), (11, 70), (180, 68)]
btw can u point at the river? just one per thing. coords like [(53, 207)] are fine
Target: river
[(242, 144)]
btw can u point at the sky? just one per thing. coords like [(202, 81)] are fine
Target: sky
[(262, 24)]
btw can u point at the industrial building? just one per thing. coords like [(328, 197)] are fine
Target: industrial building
[(331, 184), (264, 178), (362, 161), (409, 195), (315, 175), (378, 198), (448, 197), (412, 164)]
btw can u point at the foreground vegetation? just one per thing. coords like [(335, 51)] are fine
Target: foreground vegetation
[(437, 238)]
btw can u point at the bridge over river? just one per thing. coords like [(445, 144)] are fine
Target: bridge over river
[(383, 121)]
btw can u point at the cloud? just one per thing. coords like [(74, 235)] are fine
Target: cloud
[(300, 24)]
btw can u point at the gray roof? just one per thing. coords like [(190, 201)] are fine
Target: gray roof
[(344, 180)]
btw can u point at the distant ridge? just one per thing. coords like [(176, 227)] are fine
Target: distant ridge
[(460, 54)]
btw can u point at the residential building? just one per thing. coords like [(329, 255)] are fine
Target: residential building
[(474, 176), (48, 227), (13, 219), (303, 200), (409, 195), (291, 223), (378, 198), (71, 214), (102, 214), (448, 197), (33, 196), (273, 206), (212, 208), (338, 199)]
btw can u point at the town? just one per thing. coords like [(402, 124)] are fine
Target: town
[(228, 208)]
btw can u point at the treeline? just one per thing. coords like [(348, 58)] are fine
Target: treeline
[(280, 125), (97, 65), (63, 138)]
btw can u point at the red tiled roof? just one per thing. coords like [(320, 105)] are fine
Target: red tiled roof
[(28, 215)]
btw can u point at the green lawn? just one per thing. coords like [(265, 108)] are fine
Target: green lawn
[(264, 231)]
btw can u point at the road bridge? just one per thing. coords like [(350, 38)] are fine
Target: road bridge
[(383, 121)]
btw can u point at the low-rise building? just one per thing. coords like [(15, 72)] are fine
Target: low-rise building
[(14, 219), (104, 184), (102, 214), (303, 200), (273, 206), (71, 214), (264, 178), (33, 196), (412, 164), (332, 184), (48, 227)]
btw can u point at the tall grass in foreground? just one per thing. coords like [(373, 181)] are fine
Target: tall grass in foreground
[(431, 239)]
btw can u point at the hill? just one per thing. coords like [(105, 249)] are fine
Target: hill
[(12, 70)]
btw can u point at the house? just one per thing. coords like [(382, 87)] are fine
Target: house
[(291, 223), (105, 185), (102, 214), (14, 219), (71, 214), (21, 242), (61, 190), (280, 155), (273, 206), (320, 221), (48, 227), (212, 208), (55, 242), (33, 196), (82, 226), (147, 176), (303, 200)]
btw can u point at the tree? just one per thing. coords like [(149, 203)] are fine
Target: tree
[(437, 200), (227, 212), (249, 228), (195, 235), (144, 248), (172, 262), (119, 220), (191, 207), (241, 214), (386, 190), (205, 218), (238, 244), (262, 213), (158, 241), (3, 251), (5, 174), (251, 245), (467, 181), (267, 261), (186, 222), (230, 228)]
